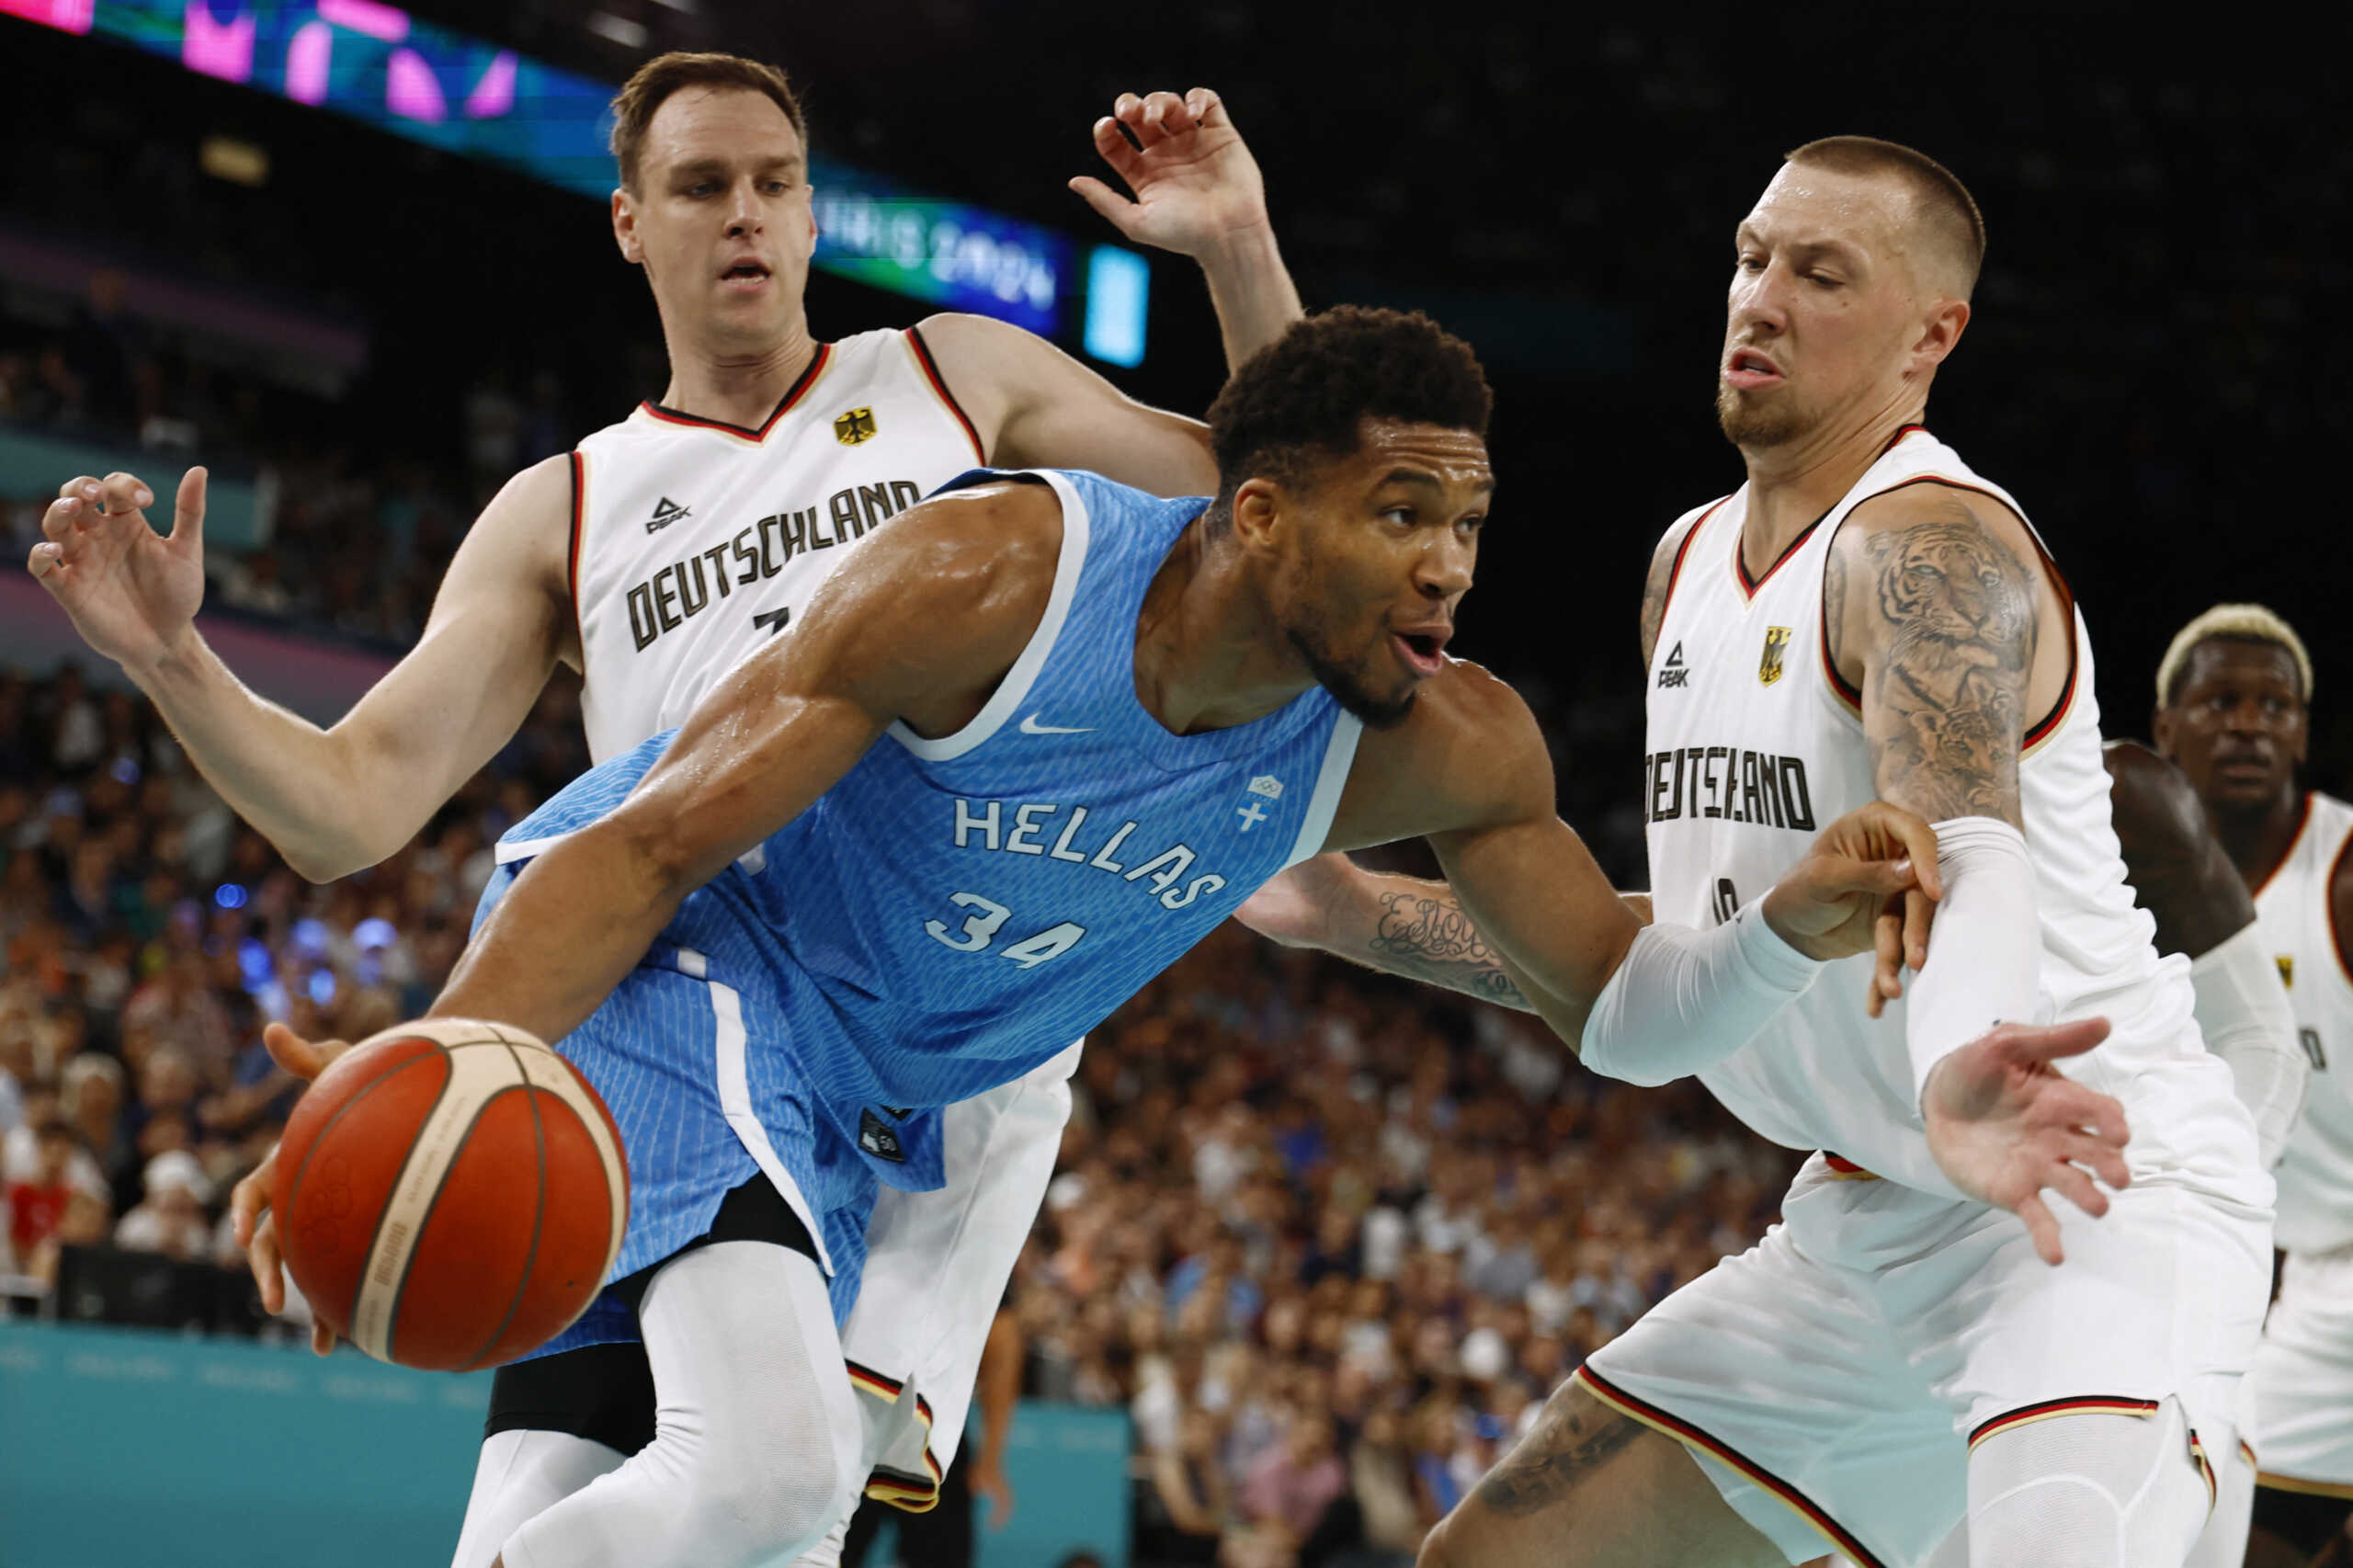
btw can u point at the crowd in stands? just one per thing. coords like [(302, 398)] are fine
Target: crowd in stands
[(1330, 1238)]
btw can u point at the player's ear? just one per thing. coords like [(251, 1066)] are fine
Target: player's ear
[(625, 228), (1257, 514), (1940, 334), (2161, 730)]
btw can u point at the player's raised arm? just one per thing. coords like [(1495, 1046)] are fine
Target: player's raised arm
[(336, 800), (1196, 192), (919, 626)]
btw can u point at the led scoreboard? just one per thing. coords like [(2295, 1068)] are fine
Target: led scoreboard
[(375, 62)]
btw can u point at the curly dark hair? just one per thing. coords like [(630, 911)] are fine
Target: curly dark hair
[(1304, 397)]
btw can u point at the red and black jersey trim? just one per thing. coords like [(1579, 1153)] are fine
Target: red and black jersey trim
[(1674, 572), (2041, 730), (2049, 1409), (793, 394), (1683, 1431), (909, 1494), (1740, 564), (2329, 902), (571, 556), (940, 385), (2303, 821)]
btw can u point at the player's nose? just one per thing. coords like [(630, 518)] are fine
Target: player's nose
[(744, 209), (1445, 568)]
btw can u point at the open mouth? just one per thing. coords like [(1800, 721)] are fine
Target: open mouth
[(745, 274), (1747, 368), (1424, 652)]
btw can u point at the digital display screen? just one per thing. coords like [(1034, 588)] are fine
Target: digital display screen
[(375, 62)]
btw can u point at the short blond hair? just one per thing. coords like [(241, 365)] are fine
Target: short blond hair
[(2245, 624), (664, 74)]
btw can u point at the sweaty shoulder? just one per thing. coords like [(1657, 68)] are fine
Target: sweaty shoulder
[(1469, 755), (987, 364)]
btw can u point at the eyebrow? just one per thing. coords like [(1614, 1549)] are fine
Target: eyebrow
[(1841, 247), (1421, 481), (719, 165)]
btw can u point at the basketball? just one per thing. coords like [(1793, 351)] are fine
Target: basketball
[(451, 1194)]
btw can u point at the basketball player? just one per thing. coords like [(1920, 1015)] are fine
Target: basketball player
[(1890, 1365), (2233, 711), (770, 459), (908, 890)]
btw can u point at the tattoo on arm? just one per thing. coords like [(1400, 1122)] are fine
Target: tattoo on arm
[(1430, 939), (1945, 693), (1563, 1450)]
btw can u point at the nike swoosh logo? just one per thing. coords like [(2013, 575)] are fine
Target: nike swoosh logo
[(1029, 726)]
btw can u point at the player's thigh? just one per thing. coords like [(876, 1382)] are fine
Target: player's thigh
[(1592, 1488), (2088, 1490), (520, 1474)]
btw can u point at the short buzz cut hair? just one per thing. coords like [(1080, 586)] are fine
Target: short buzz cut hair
[(1946, 211), (1305, 397), (654, 83), (2236, 623)]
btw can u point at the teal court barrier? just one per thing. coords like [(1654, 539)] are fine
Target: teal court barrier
[(128, 1448)]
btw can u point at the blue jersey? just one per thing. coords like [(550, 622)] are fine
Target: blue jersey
[(954, 912)]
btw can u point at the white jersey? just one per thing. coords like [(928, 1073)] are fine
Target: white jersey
[(1754, 744), (695, 541), (2292, 908)]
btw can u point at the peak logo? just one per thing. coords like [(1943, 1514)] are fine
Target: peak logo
[(666, 512)]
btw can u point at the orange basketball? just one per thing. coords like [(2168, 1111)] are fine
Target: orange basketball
[(449, 1194)]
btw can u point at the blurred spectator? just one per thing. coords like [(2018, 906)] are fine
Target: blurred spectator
[(172, 1220)]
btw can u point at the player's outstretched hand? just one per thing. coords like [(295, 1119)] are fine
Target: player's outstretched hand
[(2004, 1124), (1196, 185), (1868, 883), (255, 1226), (132, 592)]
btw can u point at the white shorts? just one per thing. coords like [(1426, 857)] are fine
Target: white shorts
[(1833, 1380), (937, 1265), (2303, 1379)]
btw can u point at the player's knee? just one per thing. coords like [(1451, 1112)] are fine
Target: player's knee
[(753, 1513)]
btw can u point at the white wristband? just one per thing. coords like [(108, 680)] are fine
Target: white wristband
[(1985, 953), (1682, 1000)]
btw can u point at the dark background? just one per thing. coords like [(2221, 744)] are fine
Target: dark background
[(2156, 366)]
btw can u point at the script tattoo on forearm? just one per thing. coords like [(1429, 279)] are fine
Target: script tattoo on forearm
[(1943, 697), (1562, 1451), (1431, 939)]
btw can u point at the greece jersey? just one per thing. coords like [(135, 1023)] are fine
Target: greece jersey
[(942, 920), (694, 541), (1755, 744), (2292, 906)]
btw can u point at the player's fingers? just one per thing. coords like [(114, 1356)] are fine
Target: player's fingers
[(1919, 917), (57, 522), (1208, 108), (1115, 148), (44, 559), (187, 510), (250, 1197), (2042, 1227), (2049, 1042), (1887, 968), (294, 1054), (2075, 1184), (1918, 839), (321, 1338), (263, 1259), (2070, 1105), (2098, 1156), (126, 493), (76, 486), (1151, 124), (1114, 209)]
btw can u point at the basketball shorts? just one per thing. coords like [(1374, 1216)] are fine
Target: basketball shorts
[(936, 1267), (2303, 1379), (1832, 1380)]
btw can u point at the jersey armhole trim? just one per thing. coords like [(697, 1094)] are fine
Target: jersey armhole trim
[(2295, 839), (930, 368), (1014, 690), (571, 556), (1340, 756), (1674, 572), (2328, 907)]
